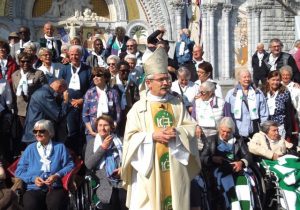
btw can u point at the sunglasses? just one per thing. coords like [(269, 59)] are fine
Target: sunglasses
[(111, 64), (99, 75), (25, 61), (39, 131)]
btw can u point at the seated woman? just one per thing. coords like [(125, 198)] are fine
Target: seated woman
[(278, 157), (103, 156), (41, 167), (268, 143), (227, 157)]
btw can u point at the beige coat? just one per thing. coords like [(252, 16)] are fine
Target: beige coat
[(258, 146), (36, 79), (138, 131)]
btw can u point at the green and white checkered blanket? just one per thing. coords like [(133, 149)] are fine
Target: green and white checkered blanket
[(287, 170), (236, 189)]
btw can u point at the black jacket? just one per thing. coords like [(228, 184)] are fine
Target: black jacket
[(259, 71)]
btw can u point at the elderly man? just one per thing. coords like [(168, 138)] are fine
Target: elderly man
[(197, 59), (260, 70), (160, 154), (78, 78), (246, 105), (277, 59), (52, 110), (184, 47), (131, 49), (51, 42)]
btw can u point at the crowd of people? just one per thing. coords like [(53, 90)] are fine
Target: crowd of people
[(149, 126)]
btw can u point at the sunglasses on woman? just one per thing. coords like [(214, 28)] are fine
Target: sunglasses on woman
[(39, 131)]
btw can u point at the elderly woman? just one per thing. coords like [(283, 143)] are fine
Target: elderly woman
[(286, 74), (41, 167), (267, 143), (117, 43), (103, 156), (31, 49), (25, 81), (112, 61), (185, 88), (205, 71), (50, 69), (7, 63), (226, 157), (207, 110), (246, 105), (98, 100), (279, 104), (136, 72)]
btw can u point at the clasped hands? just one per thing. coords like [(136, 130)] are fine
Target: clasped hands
[(236, 165), (49, 181), (164, 135)]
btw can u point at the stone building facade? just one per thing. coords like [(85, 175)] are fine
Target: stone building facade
[(230, 28)]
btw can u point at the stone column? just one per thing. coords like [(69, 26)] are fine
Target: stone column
[(205, 32), (256, 14), (250, 36), (225, 74), (212, 37), (178, 6)]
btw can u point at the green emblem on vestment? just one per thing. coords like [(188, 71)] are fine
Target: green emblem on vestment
[(164, 162), (167, 203), (163, 119)]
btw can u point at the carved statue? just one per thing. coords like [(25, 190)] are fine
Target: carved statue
[(55, 10)]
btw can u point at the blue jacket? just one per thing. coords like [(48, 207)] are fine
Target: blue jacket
[(85, 78), (29, 166), (188, 49), (43, 105), (245, 126)]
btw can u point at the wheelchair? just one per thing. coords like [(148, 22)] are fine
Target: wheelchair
[(71, 183)]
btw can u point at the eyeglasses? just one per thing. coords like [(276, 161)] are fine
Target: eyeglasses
[(25, 61), (39, 131), (99, 75), (167, 79), (123, 71), (46, 55), (203, 93), (111, 64), (129, 45)]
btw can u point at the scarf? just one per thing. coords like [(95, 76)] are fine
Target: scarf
[(153, 98), (251, 101), (204, 113), (47, 71), (3, 64), (45, 153), (224, 146), (272, 62), (181, 48), (75, 81), (271, 100), (100, 60), (117, 143), (260, 58), (23, 84), (102, 102)]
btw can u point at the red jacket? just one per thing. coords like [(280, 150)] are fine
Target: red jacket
[(12, 66)]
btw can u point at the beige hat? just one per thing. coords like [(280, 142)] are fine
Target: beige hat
[(157, 63), (13, 35)]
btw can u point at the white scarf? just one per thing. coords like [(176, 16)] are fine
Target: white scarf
[(102, 102), (204, 113), (100, 60), (260, 58), (98, 142), (3, 64), (51, 43), (272, 62), (23, 84), (271, 100), (46, 70), (120, 45), (45, 153), (251, 99), (75, 81), (181, 48), (123, 90)]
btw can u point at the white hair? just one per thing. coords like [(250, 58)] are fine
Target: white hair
[(228, 123), (47, 125)]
